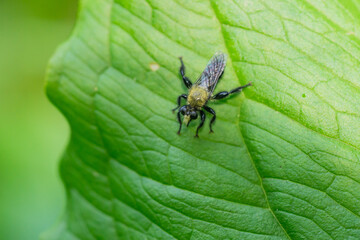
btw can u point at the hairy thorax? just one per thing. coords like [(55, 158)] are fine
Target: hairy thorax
[(197, 97)]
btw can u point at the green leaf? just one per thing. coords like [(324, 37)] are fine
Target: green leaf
[(284, 160)]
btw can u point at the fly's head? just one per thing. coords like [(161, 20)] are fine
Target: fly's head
[(189, 114)]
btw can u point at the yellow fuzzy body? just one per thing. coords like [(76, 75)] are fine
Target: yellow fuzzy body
[(198, 96)]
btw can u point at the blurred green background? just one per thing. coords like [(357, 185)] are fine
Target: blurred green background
[(33, 134)]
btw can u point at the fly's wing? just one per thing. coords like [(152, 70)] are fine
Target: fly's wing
[(213, 70)]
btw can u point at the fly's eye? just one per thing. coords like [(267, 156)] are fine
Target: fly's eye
[(182, 110), (193, 115)]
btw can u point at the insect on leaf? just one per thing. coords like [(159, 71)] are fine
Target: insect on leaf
[(284, 160)]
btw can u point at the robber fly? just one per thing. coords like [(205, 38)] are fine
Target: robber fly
[(202, 91)]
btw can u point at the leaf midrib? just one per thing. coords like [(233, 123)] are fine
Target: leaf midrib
[(240, 133)]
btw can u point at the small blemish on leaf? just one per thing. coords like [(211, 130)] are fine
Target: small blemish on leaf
[(96, 89), (304, 95), (154, 66), (350, 33)]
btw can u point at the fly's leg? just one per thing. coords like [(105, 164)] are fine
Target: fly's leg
[(188, 122), (186, 80), (179, 120), (224, 94), (210, 110), (184, 96), (202, 116)]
